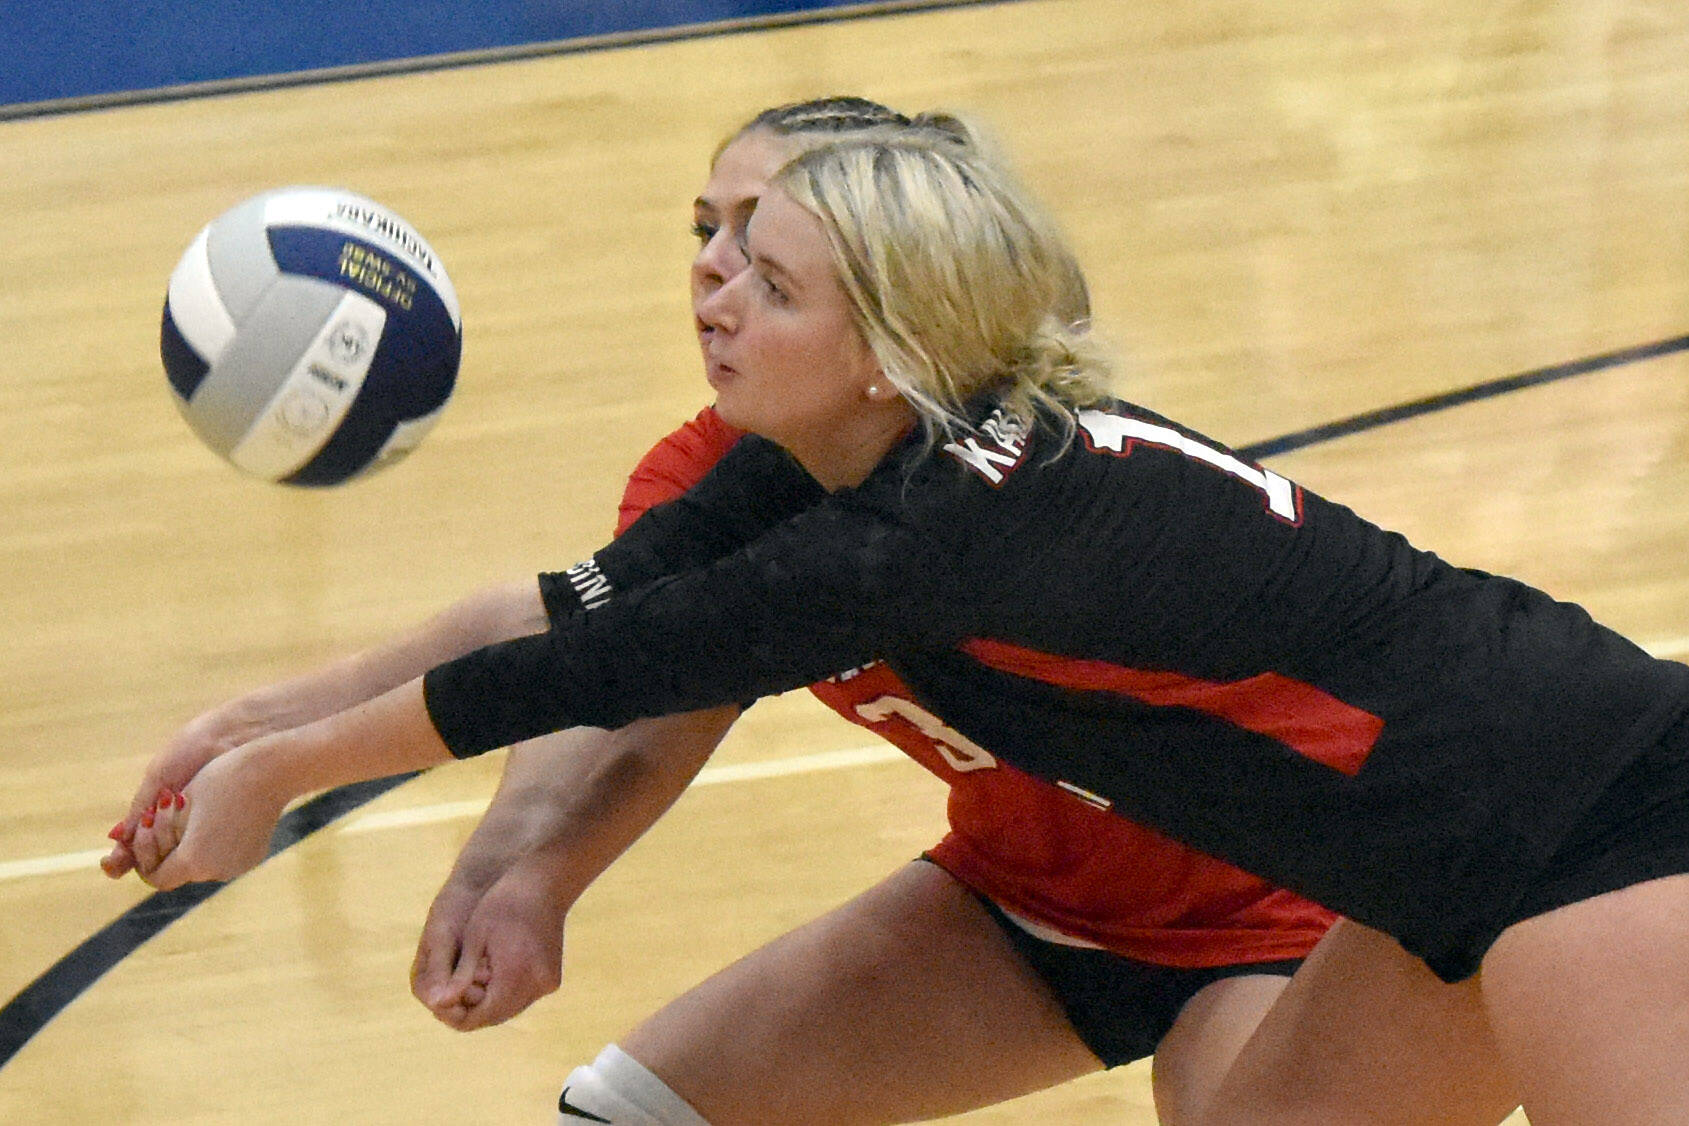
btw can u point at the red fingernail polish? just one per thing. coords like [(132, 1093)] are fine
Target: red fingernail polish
[(181, 800), (163, 797), (146, 819), (116, 833)]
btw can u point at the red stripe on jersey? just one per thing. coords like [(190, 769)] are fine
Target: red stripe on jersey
[(1306, 719)]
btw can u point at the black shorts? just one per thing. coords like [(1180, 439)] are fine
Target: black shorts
[(1637, 830), (1120, 1008)]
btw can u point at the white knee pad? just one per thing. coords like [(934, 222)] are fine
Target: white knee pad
[(619, 1089)]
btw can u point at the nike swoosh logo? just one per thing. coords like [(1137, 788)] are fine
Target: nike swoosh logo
[(563, 1107)]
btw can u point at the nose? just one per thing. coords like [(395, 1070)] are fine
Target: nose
[(718, 262), (718, 309)]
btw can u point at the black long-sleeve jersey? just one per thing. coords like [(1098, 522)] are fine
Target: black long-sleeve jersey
[(1144, 618)]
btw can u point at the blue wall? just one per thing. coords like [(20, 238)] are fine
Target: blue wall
[(51, 49)]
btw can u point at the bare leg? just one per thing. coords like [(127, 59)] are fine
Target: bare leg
[(1590, 1004), (906, 1003), (1200, 1048), (1366, 1034)]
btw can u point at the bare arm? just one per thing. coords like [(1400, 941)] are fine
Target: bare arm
[(569, 804), (582, 796), (494, 614), (234, 800)]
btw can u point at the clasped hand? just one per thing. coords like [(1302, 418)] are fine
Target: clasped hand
[(213, 824), (487, 954)]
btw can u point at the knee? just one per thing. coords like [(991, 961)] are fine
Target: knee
[(618, 1089)]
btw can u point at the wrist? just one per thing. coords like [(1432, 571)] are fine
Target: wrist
[(481, 865), (267, 767), (228, 726), (547, 873)]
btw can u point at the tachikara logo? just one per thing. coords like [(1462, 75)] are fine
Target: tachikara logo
[(591, 587), (1005, 444), (383, 223)]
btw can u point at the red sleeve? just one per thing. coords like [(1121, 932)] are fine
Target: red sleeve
[(675, 464)]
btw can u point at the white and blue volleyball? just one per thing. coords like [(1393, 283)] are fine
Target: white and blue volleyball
[(311, 335)]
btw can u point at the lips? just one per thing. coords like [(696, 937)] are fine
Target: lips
[(716, 373)]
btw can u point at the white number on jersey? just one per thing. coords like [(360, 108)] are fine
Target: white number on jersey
[(1113, 432), (957, 749)]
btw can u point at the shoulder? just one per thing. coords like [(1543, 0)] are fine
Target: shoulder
[(675, 464)]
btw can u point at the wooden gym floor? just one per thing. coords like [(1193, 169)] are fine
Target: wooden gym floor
[(1292, 213)]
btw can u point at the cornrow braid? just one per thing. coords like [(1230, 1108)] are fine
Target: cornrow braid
[(827, 118), (843, 114)]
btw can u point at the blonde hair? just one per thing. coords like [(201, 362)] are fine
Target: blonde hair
[(959, 282)]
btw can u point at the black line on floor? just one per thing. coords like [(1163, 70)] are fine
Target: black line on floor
[(1371, 420), (45, 997)]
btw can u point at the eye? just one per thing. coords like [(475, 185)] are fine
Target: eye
[(775, 293), (704, 232)]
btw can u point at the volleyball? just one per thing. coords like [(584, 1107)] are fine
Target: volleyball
[(310, 335)]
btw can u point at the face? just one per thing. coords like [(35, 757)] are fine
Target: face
[(723, 208), (781, 347)]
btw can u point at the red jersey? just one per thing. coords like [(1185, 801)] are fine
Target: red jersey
[(1044, 855)]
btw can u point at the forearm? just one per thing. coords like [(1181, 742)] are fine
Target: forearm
[(571, 803), (531, 802), (389, 734), (493, 614)]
